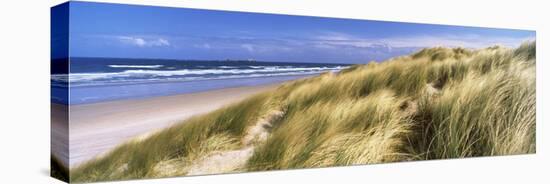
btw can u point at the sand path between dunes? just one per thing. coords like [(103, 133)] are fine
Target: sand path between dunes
[(97, 128), (235, 160)]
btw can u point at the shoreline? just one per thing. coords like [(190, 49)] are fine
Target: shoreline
[(97, 128), (83, 95)]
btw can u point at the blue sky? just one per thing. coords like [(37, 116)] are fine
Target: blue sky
[(129, 31)]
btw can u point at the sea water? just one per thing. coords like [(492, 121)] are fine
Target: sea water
[(94, 80)]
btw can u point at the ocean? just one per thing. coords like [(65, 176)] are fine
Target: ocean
[(94, 80)]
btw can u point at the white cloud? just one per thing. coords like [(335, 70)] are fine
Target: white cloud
[(162, 42), (468, 41), (335, 40), (248, 47), (143, 42)]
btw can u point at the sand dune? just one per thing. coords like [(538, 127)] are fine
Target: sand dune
[(438, 103)]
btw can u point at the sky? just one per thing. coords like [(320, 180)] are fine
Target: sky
[(130, 31)]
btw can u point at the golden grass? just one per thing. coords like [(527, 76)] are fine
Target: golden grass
[(58, 169), (437, 103)]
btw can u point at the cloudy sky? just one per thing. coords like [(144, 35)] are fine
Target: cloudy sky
[(124, 31)]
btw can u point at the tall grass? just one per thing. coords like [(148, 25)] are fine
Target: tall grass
[(58, 169), (314, 137), (437, 103)]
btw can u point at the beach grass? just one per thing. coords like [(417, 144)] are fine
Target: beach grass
[(437, 103), (58, 169)]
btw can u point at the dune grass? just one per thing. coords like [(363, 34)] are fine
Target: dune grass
[(182, 141), (437, 103), (58, 169)]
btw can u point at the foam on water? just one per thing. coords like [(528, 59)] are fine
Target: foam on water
[(103, 79)]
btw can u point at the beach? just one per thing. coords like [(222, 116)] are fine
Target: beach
[(60, 132), (97, 128)]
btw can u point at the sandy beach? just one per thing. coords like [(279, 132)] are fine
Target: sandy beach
[(97, 128), (60, 132)]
